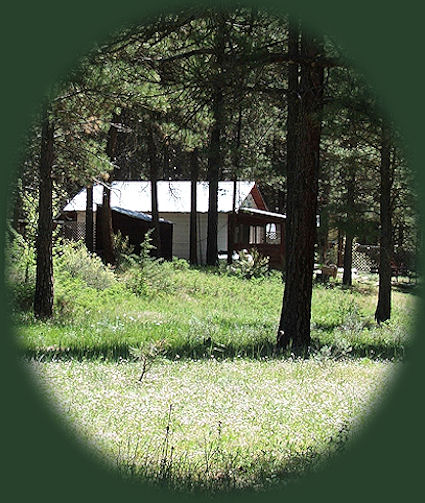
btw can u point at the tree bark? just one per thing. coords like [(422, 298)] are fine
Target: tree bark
[(236, 162), (89, 235), (303, 177), (348, 259), (292, 129), (323, 231), (43, 300), (214, 163), (107, 230), (214, 156), (383, 308), (153, 174), (194, 172)]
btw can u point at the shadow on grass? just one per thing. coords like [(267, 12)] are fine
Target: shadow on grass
[(210, 350), (411, 288)]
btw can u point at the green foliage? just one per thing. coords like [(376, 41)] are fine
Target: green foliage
[(250, 264), (194, 311), (147, 353), (138, 267), (20, 270), (124, 252), (74, 260)]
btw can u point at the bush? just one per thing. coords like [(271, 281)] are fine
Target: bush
[(179, 264), (20, 270), (124, 252), (74, 259), (138, 266), (20, 257), (251, 264)]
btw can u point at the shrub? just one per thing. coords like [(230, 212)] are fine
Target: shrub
[(74, 259), (124, 252), (180, 264), (20, 256), (251, 264), (20, 270), (138, 266)]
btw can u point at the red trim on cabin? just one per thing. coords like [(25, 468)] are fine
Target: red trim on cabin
[(258, 198)]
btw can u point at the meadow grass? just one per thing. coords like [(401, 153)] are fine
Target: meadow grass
[(214, 425), (199, 312), (218, 408)]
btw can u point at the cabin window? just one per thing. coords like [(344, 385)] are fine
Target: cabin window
[(256, 234), (273, 234)]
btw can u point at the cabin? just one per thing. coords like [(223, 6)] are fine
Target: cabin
[(252, 224)]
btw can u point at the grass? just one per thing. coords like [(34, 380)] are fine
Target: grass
[(214, 425), (200, 313), (217, 408)]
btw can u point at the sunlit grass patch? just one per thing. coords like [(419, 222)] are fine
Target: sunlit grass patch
[(214, 424)]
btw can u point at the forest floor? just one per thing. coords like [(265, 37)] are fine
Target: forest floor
[(216, 408)]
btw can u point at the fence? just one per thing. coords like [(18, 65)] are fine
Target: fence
[(366, 257), (76, 231)]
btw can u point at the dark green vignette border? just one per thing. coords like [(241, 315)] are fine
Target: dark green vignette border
[(40, 40)]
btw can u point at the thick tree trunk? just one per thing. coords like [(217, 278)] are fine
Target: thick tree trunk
[(383, 309), (303, 176), (89, 235), (43, 300), (194, 172), (349, 236), (107, 230)]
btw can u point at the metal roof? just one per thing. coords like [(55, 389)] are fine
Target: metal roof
[(173, 197), (137, 214), (256, 211)]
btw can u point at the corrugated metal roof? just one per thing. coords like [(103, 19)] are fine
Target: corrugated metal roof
[(173, 197)]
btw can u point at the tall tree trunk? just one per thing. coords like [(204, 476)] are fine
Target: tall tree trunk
[(349, 236), (43, 300), (214, 164), (236, 162), (347, 278), (292, 132), (194, 172), (214, 155), (89, 235), (107, 230), (323, 231), (303, 177), (231, 224), (383, 309), (153, 174)]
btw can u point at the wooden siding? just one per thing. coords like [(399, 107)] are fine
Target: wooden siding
[(181, 234)]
